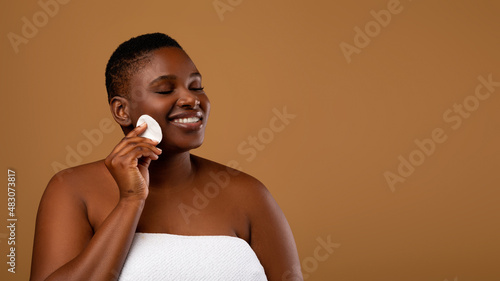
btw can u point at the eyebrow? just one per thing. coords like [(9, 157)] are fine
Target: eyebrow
[(171, 77)]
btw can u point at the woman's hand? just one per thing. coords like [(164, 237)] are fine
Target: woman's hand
[(129, 161), (67, 246)]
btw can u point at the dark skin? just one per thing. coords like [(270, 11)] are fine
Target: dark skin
[(88, 217)]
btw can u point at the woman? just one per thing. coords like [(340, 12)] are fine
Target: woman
[(134, 215)]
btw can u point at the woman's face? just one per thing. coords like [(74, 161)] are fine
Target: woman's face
[(169, 89)]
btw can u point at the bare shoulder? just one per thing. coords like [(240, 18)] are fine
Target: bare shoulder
[(62, 226), (81, 174), (68, 189), (77, 180), (269, 234), (240, 193), (238, 185)]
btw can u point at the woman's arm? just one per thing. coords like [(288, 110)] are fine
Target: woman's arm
[(65, 247), (272, 239)]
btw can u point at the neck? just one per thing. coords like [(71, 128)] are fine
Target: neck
[(171, 170)]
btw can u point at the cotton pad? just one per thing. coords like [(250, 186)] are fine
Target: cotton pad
[(153, 130)]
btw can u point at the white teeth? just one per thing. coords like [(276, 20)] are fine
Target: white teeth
[(187, 120)]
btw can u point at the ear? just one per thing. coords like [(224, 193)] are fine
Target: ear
[(120, 107)]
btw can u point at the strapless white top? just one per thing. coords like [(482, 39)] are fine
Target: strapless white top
[(161, 256)]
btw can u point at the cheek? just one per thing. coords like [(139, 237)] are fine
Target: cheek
[(138, 96), (205, 103), (155, 103), (206, 107)]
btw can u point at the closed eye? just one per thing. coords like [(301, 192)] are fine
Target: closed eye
[(165, 92), (169, 92)]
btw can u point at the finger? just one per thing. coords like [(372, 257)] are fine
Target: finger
[(136, 153), (126, 141), (133, 140), (138, 150), (143, 163), (137, 130), (127, 148), (140, 139), (132, 134)]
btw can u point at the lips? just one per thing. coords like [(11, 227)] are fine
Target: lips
[(186, 120), (191, 120), (186, 114)]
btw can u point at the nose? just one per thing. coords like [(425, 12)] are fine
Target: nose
[(187, 100)]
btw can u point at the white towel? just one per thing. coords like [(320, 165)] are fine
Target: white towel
[(161, 256)]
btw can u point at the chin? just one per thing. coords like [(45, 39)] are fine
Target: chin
[(184, 145), (195, 144)]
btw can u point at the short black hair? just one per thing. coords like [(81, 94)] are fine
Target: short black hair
[(130, 57)]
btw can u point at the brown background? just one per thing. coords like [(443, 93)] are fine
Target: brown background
[(326, 167)]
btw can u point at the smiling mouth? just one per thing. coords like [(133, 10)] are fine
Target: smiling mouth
[(187, 120)]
